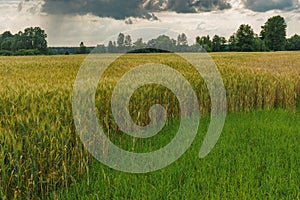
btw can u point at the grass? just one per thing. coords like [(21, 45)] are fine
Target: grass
[(257, 157)]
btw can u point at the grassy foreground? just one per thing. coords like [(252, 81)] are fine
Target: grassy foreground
[(257, 157)]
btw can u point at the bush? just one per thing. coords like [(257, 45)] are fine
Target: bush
[(5, 53), (27, 52)]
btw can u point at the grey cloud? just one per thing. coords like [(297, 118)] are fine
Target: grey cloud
[(118, 9), (123, 9), (30, 6), (128, 21), (265, 5), (20, 6), (209, 5), (187, 6)]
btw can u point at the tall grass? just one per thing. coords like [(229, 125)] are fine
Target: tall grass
[(255, 158)]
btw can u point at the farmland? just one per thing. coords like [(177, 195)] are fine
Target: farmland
[(257, 156)]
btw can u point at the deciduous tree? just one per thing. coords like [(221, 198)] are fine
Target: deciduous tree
[(274, 33)]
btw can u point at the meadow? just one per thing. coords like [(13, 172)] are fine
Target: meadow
[(257, 156)]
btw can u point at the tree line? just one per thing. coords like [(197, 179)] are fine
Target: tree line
[(32, 41), (271, 38)]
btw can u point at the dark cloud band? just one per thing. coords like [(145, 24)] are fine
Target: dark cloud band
[(266, 5), (118, 9), (122, 9)]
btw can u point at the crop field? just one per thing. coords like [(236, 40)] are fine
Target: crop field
[(257, 156)]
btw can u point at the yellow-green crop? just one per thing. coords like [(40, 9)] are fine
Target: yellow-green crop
[(39, 148)]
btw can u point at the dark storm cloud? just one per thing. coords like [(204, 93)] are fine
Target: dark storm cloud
[(265, 5), (122, 9), (118, 9)]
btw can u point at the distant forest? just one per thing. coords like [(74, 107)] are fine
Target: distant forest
[(271, 38)]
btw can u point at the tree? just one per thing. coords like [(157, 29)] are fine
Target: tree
[(121, 40), (245, 38), (128, 41), (218, 43), (100, 48), (182, 43), (182, 40), (195, 48), (30, 42), (6, 40), (7, 44), (35, 38), (259, 44), (111, 48), (6, 34), (293, 43), (82, 49), (163, 42), (205, 42), (233, 43), (274, 33), (139, 44), (18, 42)]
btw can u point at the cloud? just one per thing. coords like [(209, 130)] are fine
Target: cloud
[(118, 9), (186, 6), (123, 9), (266, 5), (30, 6)]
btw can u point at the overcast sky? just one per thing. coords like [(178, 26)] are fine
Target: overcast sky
[(68, 22)]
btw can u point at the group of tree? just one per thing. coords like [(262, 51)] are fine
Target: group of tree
[(30, 42), (271, 38), (124, 43)]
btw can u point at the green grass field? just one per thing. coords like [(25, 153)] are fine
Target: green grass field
[(256, 157)]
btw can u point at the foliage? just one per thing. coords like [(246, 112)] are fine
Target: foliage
[(29, 41), (162, 42), (64, 50), (82, 49), (272, 37), (274, 33), (128, 41), (139, 44), (182, 43), (245, 38), (218, 44), (205, 42), (121, 39), (293, 43)]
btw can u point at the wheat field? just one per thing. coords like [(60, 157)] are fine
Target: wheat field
[(40, 151)]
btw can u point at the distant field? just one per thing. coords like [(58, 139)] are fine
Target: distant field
[(41, 153)]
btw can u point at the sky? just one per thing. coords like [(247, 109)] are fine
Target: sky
[(69, 22)]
